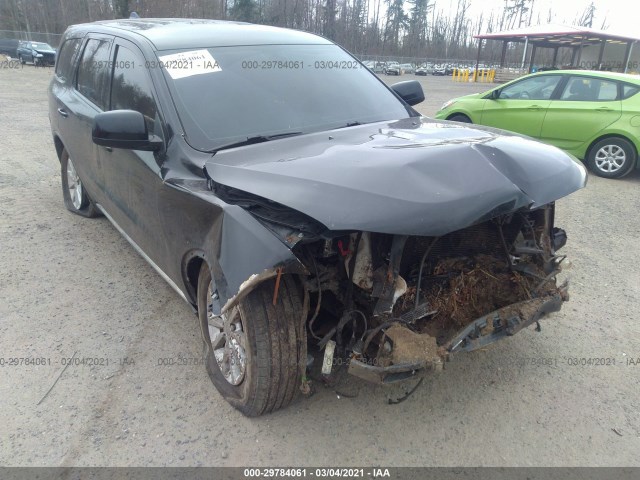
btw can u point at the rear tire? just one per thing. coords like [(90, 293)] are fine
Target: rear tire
[(76, 198), (612, 157), (258, 349)]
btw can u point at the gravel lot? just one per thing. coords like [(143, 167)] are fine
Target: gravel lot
[(71, 285)]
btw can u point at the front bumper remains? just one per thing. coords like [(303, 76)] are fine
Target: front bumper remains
[(501, 323)]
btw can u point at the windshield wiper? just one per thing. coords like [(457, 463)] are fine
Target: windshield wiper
[(255, 139)]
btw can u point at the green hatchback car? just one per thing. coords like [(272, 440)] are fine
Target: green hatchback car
[(592, 115)]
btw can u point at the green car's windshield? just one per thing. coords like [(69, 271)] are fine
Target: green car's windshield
[(228, 94)]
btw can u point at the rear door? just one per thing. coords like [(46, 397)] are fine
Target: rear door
[(87, 98), (586, 106), (63, 90), (521, 106)]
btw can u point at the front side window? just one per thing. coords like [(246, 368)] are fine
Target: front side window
[(68, 52), (534, 88), (93, 71), (244, 91), (131, 87), (585, 89)]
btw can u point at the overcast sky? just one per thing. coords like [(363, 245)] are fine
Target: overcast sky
[(622, 16)]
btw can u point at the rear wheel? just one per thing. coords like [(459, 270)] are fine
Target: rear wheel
[(612, 157), (21, 59), (255, 350), (74, 194), (458, 117)]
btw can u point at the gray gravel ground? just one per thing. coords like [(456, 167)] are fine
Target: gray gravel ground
[(71, 285)]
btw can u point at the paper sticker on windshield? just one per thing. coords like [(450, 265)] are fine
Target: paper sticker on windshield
[(187, 64)]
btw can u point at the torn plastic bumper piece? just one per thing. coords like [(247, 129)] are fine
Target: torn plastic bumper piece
[(386, 375), (483, 331), (506, 321)]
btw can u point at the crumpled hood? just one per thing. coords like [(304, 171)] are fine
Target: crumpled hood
[(415, 176)]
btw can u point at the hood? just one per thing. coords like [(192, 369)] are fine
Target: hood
[(415, 176)]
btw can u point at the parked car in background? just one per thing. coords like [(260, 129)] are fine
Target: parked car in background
[(38, 53), (407, 68), (442, 70), (9, 46), (393, 68), (333, 212), (424, 69), (374, 66), (592, 115)]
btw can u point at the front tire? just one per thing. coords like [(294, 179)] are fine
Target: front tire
[(460, 118), (255, 351), (76, 198), (612, 157)]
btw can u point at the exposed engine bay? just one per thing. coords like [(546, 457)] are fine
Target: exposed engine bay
[(393, 305)]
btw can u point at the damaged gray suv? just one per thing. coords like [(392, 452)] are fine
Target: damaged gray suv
[(302, 207)]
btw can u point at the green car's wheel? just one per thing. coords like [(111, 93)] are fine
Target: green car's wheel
[(460, 118), (612, 157)]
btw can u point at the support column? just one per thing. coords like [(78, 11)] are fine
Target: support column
[(505, 43), (601, 54), (480, 40), (524, 54), (533, 56), (627, 55), (579, 52), (555, 56)]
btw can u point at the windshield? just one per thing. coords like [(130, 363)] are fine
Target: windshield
[(228, 94), (42, 46)]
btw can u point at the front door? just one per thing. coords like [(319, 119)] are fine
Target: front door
[(521, 106)]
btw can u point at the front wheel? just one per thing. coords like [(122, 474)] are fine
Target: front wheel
[(612, 157), (459, 118), (254, 352), (75, 197)]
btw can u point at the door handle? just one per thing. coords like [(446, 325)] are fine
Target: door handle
[(108, 149), (534, 107), (63, 112), (604, 109)]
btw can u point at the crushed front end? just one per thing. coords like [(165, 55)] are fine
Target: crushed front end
[(390, 306)]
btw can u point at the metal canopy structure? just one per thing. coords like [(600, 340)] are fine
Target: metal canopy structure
[(556, 36)]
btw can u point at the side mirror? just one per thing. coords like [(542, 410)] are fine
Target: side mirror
[(123, 129), (410, 91), (495, 95)]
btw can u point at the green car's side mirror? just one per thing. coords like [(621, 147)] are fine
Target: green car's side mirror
[(495, 94)]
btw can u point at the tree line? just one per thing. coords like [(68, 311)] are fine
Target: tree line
[(405, 28)]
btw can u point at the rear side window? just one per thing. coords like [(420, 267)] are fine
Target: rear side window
[(629, 91), (584, 89), (94, 71), (131, 86), (66, 57)]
